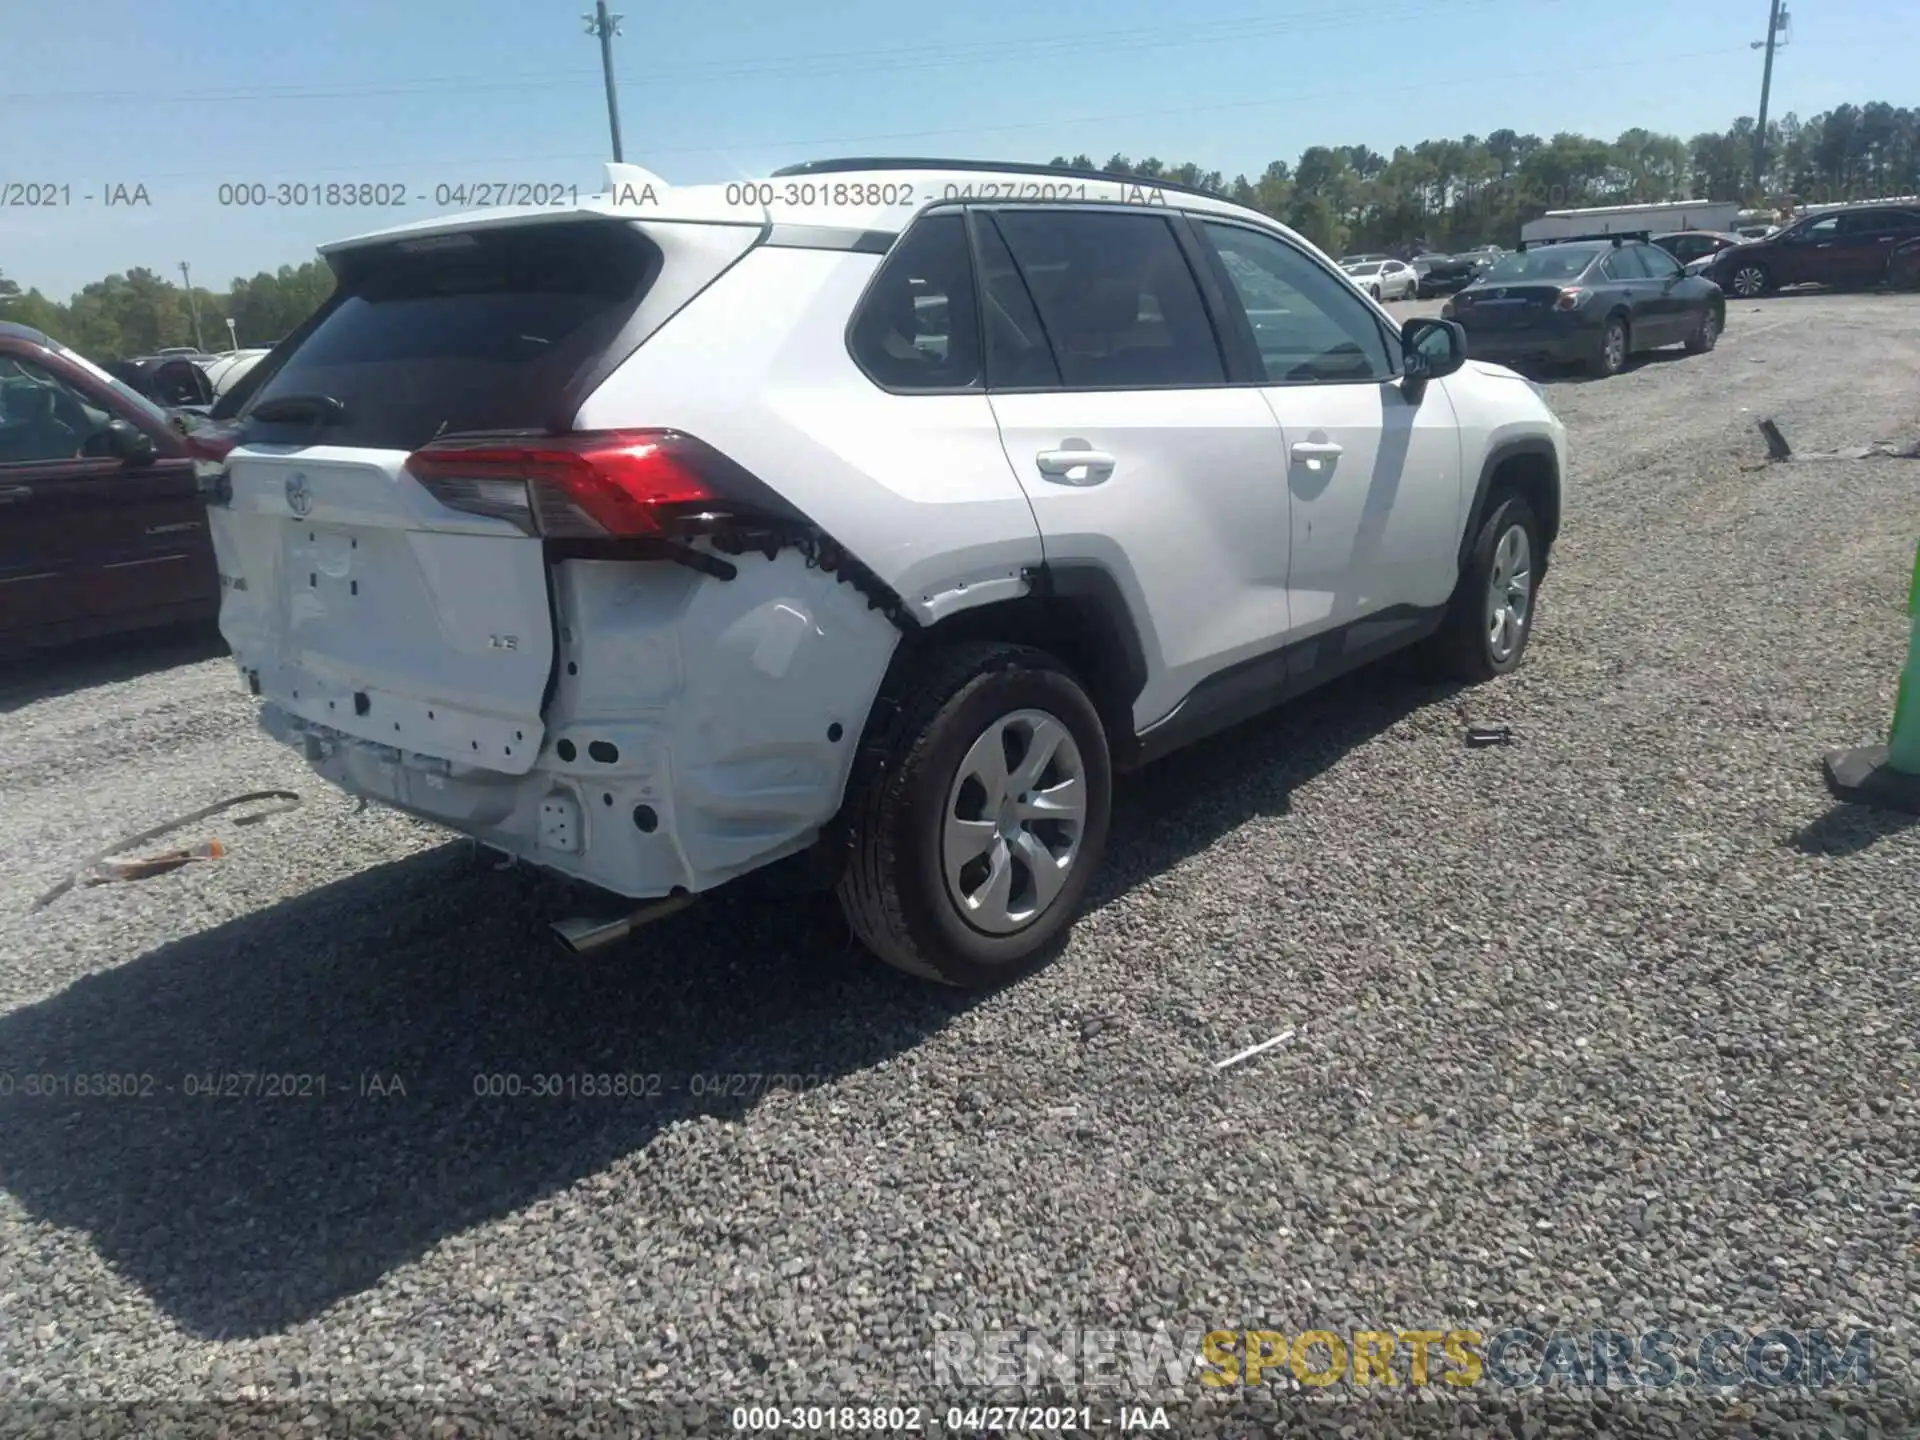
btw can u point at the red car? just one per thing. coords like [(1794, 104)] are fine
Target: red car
[(102, 528), (1852, 247)]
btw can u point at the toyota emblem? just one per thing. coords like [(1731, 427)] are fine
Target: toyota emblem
[(299, 497)]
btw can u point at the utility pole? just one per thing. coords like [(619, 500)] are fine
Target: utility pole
[(606, 27), (193, 306), (1774, 19)]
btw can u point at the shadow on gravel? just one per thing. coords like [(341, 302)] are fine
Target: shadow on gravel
[(1575, 375), (26, 678), (1849, 829), (411, 990)]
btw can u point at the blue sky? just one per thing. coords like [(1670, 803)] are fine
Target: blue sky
[(182, 97)]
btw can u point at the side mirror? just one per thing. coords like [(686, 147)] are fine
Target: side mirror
[(130, 443), (1433, 348)]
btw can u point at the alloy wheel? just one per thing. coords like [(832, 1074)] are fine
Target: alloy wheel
[(1013, 823), (1509, 593), (1749, 281), (1616, 346)]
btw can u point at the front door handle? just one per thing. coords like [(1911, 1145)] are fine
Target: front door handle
[(10, 493), (1311, 450), (1074, 466)]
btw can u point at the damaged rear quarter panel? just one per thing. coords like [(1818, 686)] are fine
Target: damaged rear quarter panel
[(734, 709)]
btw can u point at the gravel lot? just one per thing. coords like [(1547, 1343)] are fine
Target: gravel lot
[(1612, 1027)]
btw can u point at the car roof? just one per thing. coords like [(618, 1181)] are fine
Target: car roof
[(9, 330), (870, 198)]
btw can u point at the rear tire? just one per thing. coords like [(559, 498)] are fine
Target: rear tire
[(925, 797), (1374, 290), (1490, 616), (1615, 340), (1705, 334)]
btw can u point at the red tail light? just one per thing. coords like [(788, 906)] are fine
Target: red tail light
[(627, 483)]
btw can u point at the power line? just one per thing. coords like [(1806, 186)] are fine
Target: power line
[(915, 58), (496, 164)]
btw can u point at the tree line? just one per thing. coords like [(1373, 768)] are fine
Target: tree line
[(137, 313), (1478, 190), (1449, 194)]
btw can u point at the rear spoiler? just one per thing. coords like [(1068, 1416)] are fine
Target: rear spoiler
[(1616, 236)]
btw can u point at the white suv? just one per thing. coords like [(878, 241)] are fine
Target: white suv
[(871, 516)]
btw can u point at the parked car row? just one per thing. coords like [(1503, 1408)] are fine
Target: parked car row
[(1593, 301), (1421, 275)]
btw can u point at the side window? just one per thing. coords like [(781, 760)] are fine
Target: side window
[(1018, 355), (1823, 229), (1119, 304), (44, 418), (1657, 263), (1623, 264), (916, 328), (1309, 326), (1873, 222)]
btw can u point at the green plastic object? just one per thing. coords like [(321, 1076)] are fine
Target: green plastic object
[(1903, 740)]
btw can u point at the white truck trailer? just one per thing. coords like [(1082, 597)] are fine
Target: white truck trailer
[(1612, 219)]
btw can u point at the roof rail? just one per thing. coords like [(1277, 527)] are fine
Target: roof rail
[(1616, 236), (1005, 167)]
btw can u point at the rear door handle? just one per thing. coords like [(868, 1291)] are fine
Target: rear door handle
[(10, 493), (1075, 467), (1316, 450)]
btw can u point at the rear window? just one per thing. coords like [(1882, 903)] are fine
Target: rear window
[(1554, 262), (479, 330)]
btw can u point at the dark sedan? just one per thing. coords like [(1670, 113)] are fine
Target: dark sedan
[(1591, 302), (1443, 274)]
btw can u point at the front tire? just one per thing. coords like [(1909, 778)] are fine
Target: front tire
[(1490, 616), (980, 817), (1705, 333), (1374, 290), (1750, 281)]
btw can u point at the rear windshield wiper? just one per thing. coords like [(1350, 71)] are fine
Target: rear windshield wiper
[(320, 409)]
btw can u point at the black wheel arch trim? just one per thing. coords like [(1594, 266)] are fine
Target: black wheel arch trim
[(1504, 451), (1089, 603), (1111, 628)]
